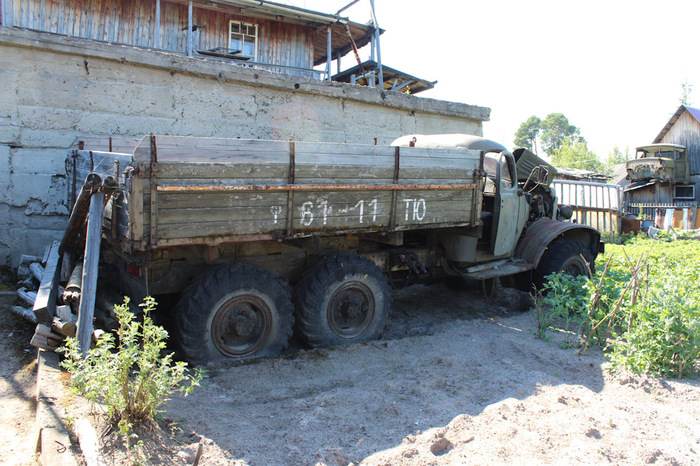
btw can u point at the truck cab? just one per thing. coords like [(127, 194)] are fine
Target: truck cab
[(662, 162)]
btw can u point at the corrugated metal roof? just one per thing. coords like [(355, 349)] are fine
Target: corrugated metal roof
[(414, 84), (694, 112)]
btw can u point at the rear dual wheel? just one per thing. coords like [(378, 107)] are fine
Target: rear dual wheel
[(238, 311), (243, 311), (343, 299)]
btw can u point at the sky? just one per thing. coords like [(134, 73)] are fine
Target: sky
[(614, 68)]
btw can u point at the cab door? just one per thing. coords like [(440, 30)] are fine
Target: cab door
[(510, 208)]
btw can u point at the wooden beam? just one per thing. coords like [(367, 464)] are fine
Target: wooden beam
[(5, 13), (86, 310), (158, 41), (189, 30), (77, 217), (45, 304)]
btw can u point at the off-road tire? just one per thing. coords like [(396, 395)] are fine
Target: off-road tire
[(567, 256), (341, 300), (238, 311)]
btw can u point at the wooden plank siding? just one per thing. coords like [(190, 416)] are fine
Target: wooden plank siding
[(213, 190), (686, 131), (133, 22)]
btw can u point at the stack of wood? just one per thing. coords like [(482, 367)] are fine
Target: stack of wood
[(50, 333), (61, 287)]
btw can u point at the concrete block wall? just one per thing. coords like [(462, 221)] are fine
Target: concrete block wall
[(56, 88)]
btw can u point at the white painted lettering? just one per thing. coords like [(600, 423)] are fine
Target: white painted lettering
[(307, 215)]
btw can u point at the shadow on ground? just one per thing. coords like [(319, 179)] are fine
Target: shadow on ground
[(444, 354)]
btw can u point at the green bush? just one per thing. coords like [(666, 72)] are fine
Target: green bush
[(131, 377), (563, 304), (643, 306)]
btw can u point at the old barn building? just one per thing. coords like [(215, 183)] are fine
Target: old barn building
[(665, 175), (227, 68)]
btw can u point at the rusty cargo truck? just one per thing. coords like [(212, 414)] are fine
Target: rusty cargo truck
[(260, 238)]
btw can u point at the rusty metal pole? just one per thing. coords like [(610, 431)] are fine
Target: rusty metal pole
[(329, 53), (376, 44)]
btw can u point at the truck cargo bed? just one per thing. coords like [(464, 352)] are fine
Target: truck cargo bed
[(189, 190)]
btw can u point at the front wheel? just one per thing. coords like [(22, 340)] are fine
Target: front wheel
[(343, 299), (238, 311), (565, 256)]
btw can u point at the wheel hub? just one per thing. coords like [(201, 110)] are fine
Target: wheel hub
[(350, 309), (241, 326), (241, 322)]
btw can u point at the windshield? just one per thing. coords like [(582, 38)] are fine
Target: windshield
[(491, 160), (667, 154)]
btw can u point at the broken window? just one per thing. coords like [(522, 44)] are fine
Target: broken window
[(244, 38)]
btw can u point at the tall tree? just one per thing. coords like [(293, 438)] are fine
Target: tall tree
[(615, 158), (527, 134), (556, 130), (576, 155)]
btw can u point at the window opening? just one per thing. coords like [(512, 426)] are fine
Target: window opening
[(244, 38), (684, 192)]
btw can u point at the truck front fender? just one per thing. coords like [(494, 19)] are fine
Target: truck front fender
[(541, 234)]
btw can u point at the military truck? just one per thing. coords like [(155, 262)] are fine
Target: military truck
[(259, 239), (661, 162)]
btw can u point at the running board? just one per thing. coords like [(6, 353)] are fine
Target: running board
[(498, 270)]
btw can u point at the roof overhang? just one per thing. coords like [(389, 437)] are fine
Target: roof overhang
[(660, 147), (268, 10), (640, 184), (394, 80), (694, 112)]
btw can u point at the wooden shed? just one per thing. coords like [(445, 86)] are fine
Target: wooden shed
[(281, 38), (656, 198), (292, 39), (684, 129)]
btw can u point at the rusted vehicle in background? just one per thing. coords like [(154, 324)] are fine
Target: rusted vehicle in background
[(662, 162)]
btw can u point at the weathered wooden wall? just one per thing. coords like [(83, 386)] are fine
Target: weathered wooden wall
[(214, 190), (55, 89), (686, 131), (133, 22)]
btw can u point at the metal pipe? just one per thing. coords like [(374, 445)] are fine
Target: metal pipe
[(329, 53), (346, 6), (379, 52)]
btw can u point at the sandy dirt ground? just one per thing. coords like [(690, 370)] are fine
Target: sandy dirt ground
[(455, 379), (17, 389)]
